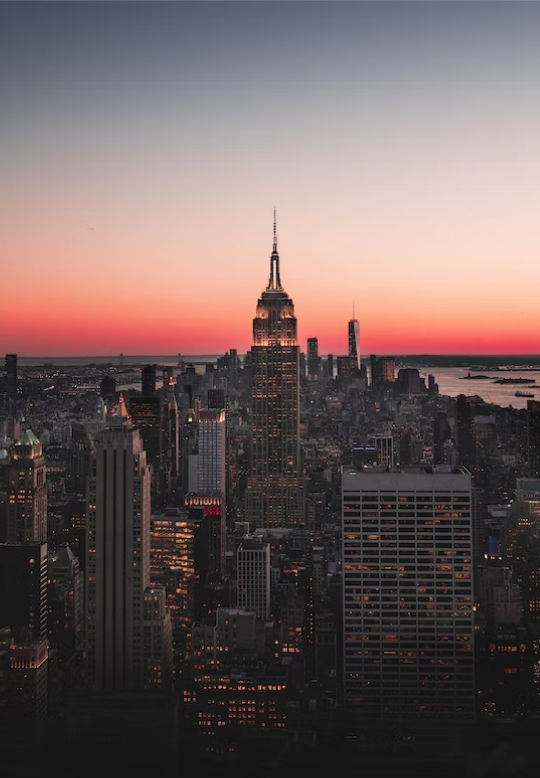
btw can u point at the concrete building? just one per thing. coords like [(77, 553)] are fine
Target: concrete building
[(157, 644), (254, 577), (23, 613), (11, 375), (408, 593), (24, 492), (313, 360), (211, 471), (117, 561)]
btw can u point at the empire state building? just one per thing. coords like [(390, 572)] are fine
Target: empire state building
[(274, 497)]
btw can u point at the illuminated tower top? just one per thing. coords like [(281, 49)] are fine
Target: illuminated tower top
[(274, 323), (274, 282)]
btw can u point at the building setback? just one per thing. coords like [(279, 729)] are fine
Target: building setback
[(274, 497)]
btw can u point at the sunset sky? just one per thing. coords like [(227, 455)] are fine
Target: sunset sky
[(143, 147)]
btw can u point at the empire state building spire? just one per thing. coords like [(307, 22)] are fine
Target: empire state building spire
[(275, 491), (274, 282)]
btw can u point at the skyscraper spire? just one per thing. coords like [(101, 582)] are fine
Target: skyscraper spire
[(274, 494), (274, 282)]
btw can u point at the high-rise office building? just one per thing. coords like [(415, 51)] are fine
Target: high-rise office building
[(441, 434), (216, 399), (212, 452), (148, 380), (67, 578), (234, 365), (24, 504), (11, 375), (107, 388), (186, 550), (465, 438), (117, 560), (346, 367), (148, 416), (274, 496), (172, 441), (254, 577), (533, 437), (408, 593), (354, 341), (168, 374), (313, 360), (383, 370), (23, 611), (387, 369), (173, 567), (157, 643), (23, 590)]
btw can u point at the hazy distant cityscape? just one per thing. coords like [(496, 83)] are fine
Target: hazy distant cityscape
[(269, 389), (264, 559)]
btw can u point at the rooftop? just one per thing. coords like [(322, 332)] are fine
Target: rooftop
[(28, 439)]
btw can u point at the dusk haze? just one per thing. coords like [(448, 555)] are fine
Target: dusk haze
[(145, 145), (269, 388)]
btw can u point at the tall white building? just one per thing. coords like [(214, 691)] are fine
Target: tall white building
[(254, 577), (117, 560), (212, 451), (408, 593)]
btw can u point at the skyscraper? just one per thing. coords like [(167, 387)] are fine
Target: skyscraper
[(254, 577), (11, 375), (408, 593), (118, 562), (533, 437), (23, 590), (23, 611), (148, 416), (273, 496), (313, 359), (148, 380), (383, 370), (354, 340), (25, 503), (465, 439), (212, 452)]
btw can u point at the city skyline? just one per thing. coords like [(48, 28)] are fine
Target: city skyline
[(397, 141)]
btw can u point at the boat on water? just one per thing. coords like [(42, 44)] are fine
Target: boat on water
[(524, 394)]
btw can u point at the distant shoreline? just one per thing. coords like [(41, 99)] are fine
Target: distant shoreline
[(471, 361)]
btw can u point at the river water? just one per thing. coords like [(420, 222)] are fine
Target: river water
[(452, 382)]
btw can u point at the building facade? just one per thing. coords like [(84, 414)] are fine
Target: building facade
[(117, 561), (254, 577), (354, 341), (408, 593), (274, 496), (313, 360), (25, 492), (212, 455)]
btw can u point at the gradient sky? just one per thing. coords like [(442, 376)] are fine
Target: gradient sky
[(143, 147)]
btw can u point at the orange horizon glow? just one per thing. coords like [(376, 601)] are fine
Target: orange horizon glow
[(405, 176)]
